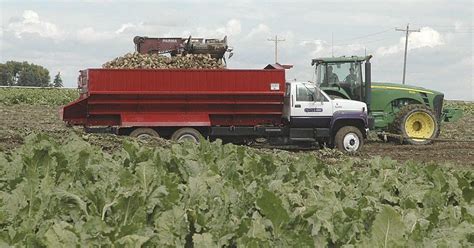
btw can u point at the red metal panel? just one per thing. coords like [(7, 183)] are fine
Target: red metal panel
[(75, 112), (222, 81), (184, 97), (164, 119)]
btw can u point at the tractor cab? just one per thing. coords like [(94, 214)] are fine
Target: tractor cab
[(343, 77)]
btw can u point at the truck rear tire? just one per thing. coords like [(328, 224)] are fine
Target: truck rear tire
[(186, 134), (144, 133), (349, 139), (417, 121)]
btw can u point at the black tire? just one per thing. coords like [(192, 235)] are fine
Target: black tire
[(138, 39), (186, 133), (400, 122), (349, 139), (144, 133)]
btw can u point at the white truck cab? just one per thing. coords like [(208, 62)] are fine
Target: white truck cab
[(307, 108)]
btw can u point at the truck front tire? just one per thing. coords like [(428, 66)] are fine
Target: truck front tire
[(349, 139), (186, 134)]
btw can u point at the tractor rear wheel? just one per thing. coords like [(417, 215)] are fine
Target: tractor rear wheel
[(417, 124), (144, 133)]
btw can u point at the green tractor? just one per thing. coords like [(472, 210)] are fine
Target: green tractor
[(413, 114)]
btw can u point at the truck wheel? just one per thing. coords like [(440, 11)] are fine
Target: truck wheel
[(349, 139), (144, 133), (417, 121), (186, 134)]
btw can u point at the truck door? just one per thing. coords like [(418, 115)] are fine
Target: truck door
[(310, 108), (287, 103)]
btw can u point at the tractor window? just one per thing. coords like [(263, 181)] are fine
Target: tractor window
[(358, 85), (320, 75), (346, 76), (332, 74)]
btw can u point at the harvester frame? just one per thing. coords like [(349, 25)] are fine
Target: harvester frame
[(181, 46)]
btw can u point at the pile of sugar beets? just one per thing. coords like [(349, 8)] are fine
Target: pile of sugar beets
[(156, 61)]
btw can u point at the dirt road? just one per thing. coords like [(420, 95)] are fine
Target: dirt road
[(456, 153)]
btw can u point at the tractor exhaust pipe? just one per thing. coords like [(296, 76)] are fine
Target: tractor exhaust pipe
[(368, 82)]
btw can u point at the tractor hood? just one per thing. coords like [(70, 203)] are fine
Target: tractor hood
[(348, 105), (403, 87)]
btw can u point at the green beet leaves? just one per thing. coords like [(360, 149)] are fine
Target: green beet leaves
[(214, 195)]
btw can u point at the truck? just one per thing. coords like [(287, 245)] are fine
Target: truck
[(234, 105), (401, 112)]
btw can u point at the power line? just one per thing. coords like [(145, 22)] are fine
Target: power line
[(455, 32), (459, 30), (451, 28), (276, 40), (446, 26), (366, 42), (367, 35), (407, 30), (332, 44), (373, 41), (456, 28), (336, 42)]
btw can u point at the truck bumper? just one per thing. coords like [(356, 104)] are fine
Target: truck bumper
[(371, 122)]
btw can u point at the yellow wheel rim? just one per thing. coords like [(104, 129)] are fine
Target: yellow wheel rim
[(419, 125)]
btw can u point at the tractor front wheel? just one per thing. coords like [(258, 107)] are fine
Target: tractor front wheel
[(417, 124)]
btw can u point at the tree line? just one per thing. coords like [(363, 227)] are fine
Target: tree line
[(13, 73)]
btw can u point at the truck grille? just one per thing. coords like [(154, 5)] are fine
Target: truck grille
[(438, 105)]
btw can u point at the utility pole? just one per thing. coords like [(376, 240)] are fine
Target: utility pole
[(332, 44), (276, 40), (407, 30)]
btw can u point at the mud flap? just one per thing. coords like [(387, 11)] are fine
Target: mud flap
[(75, 112)]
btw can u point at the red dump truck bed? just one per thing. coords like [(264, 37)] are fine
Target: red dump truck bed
[(136, 97)]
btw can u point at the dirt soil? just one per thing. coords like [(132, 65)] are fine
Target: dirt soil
[(455, 153), (17, 121)]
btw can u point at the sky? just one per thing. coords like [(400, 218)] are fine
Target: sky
[(68, 36)]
